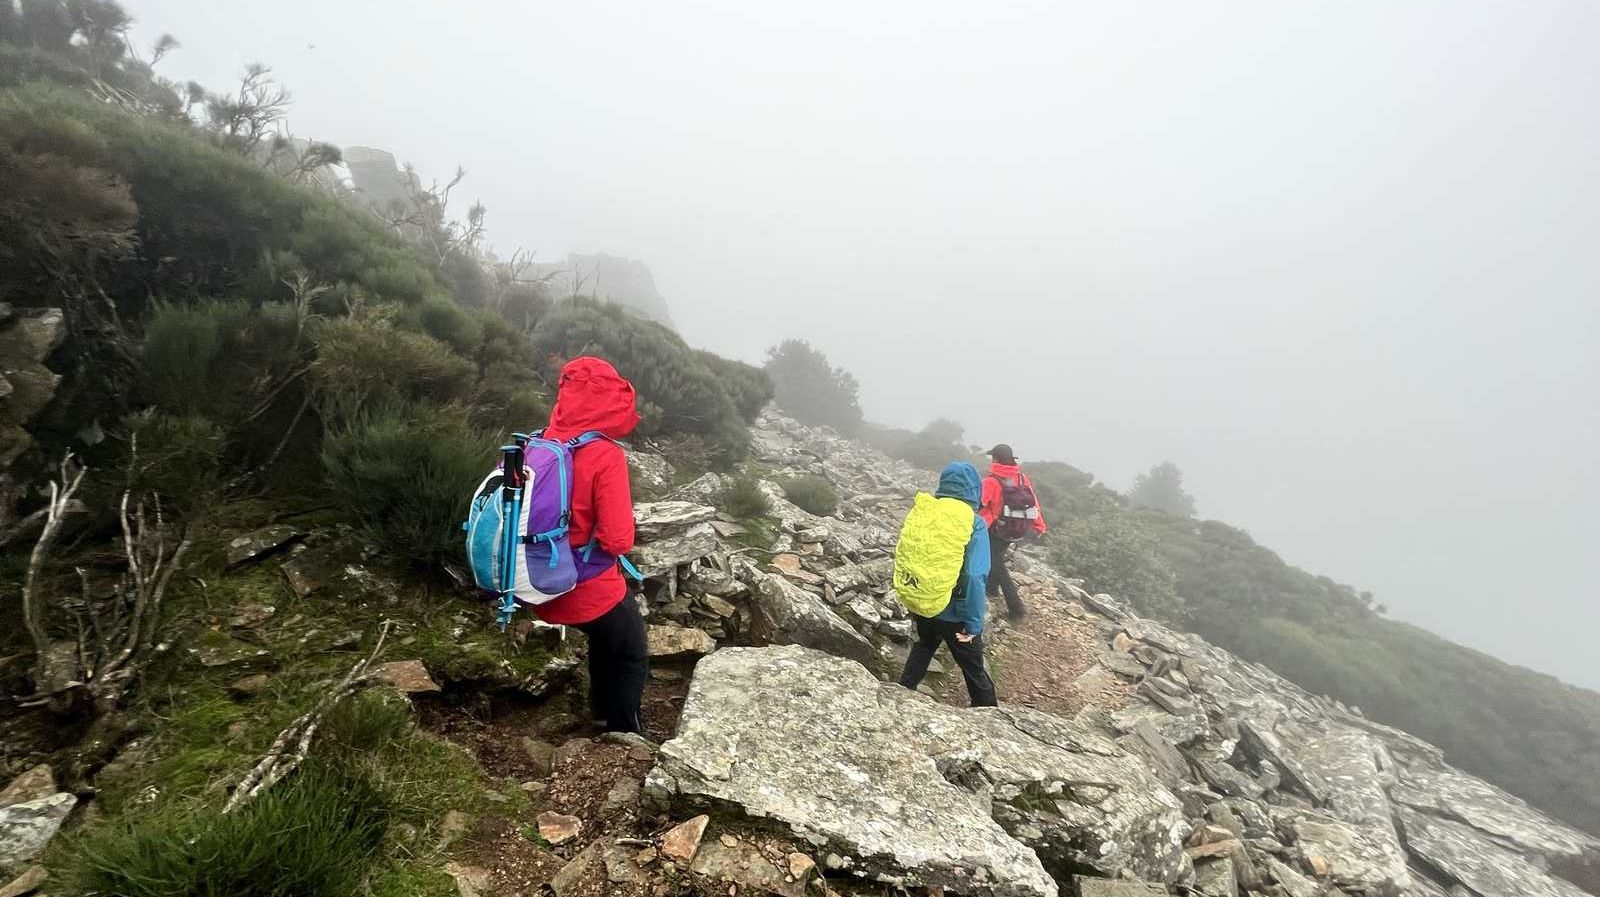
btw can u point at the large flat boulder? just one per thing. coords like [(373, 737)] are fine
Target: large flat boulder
[(987, 801), (1479, 861)]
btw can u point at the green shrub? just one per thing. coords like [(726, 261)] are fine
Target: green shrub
[(364, 723), (744, 499), (370, 364), (318, 833), (406, 474), (812, 493), (749, 385), (811, 389), (678, 392), (1114, 553), (179, 457), (930, 448)]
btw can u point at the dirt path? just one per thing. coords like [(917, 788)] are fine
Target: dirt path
[(1047, 661)]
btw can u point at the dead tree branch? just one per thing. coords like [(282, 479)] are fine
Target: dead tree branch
[(62, 491), (292, 745)]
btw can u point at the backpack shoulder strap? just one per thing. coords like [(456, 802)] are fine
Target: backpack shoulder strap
[(583, 439)]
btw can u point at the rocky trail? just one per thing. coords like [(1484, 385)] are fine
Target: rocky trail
[(1126, 759)]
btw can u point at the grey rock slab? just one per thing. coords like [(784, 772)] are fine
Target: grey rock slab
[(1216, 878), (1477, 860), (1089, 886), (1165, 760), (660, 556), (27, 827), (261, 542), (658, 519), (1356, 857), (1485, 807), (1293, 882), (918, 793), (32, 335), (649, 469), (786, 614), (1260, 740)]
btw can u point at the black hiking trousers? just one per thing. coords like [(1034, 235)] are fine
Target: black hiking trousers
[(619, 663), (1000, 580), (969, 656)]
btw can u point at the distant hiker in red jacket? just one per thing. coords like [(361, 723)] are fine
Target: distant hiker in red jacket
[(593, 396), (1011, 508)]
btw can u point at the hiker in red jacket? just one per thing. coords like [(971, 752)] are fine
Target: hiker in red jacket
[(593, 396), (1011, 508)]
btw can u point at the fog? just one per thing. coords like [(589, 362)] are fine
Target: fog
[(1337, 261)]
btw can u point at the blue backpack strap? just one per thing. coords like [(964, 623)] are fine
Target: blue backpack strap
[(630, 569)]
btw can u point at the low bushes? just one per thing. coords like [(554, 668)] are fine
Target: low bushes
[(406, 473), (318, 832), (744, 499), (812, 493)]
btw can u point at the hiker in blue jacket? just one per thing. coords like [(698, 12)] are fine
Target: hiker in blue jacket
[(960, 625)]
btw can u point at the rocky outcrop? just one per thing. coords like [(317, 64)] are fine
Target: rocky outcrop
[(906, 790), (1316, 798)]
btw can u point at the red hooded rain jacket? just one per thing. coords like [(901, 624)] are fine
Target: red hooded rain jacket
[(593, 396)]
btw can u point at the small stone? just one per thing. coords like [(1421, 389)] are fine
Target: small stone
[(250, 685), (558, 828), (729, 841), (452, 827), (26, 883), (683, 841), (1210, 834), (1319, 865), (622, 867), (641, 752), (540, 754), (38, 782), (789, 565), (646, 856), (471, 881), (625, 793), (677, 641), (534, 789), (1212, 849), (801, 866), (572, 874), (1123, 643), (251, 615), (409, 676)]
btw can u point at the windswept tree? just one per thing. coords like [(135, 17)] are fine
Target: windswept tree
[(1161, 489), (811, 389)]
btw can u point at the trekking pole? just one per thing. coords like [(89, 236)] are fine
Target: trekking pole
[(511, 486)]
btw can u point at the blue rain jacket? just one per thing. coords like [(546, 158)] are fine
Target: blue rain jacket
[(970, 603)]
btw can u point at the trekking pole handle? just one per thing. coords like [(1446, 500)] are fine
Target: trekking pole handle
[(511, 465)]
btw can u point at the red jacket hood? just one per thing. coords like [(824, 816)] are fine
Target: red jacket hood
[(592, 396), (1005, 471)]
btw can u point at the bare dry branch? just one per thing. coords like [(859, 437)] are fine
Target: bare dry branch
[(292, 745)]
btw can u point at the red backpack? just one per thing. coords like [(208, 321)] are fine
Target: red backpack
[(1019, 508)]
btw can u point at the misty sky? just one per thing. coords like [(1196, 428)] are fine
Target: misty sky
[(1338, 261)]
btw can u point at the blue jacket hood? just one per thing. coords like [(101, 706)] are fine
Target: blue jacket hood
[(960, 479)]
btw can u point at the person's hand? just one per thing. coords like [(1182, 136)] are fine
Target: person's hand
[(964, 637)]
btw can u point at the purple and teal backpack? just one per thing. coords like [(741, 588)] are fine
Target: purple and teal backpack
[(517, 526)]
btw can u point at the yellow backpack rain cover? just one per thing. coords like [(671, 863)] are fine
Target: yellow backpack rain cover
[(927, 559)]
